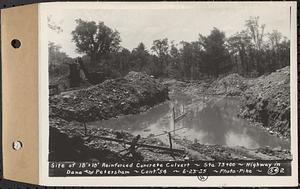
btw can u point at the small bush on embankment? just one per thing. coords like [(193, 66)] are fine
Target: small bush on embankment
[(268, 101)]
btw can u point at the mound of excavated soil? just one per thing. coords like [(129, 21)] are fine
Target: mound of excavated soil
[(69, 138), (231, 85), (268, 101), (135, 93)]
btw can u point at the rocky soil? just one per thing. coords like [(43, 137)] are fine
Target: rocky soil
[(69, 142), (267, 101), (69, 111), (219, 152), (130, 95), (231, 85)]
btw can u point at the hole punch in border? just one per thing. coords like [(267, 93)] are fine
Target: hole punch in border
[(16, 43), (17, 145)]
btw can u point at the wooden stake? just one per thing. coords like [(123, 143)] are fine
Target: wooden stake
[(170, 140), (182, 109), (85, 128), (133, 146), (173, 119)]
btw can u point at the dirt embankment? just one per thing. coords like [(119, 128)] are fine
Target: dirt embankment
[(199, 151), (70, 110), (69, 142), (231, 85), (130, 95), (267, 101)]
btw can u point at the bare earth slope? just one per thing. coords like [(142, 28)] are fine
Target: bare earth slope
[(132, 94), (267, 101)]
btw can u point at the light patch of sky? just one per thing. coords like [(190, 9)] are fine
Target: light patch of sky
[(136, 25)]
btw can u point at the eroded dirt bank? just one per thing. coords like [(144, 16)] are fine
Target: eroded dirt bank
[(267, 101), (69, 111), (130, 95), (80, 146), (231, 85)]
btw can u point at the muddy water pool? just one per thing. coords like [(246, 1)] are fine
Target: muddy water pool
[(210, 120)]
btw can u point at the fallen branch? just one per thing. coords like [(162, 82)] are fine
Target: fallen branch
[(180, 117), (166, 132), (140, 144)]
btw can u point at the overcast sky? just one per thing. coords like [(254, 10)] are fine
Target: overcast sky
[(178, 24)]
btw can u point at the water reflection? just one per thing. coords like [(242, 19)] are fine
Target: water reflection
[(208, 122), (219, 120), (140, 122)]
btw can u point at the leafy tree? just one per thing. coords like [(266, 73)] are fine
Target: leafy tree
[(256, 31), (191, 58), (161, 49), (238, 45), (284, 50), (57, 60), (253, 54), (95, 40), (249, 52), (274, 39), (279, 48), (175, 66), (124, 61), (139, 57), (216, 54)]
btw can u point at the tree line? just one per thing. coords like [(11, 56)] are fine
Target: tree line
[(250, 52)]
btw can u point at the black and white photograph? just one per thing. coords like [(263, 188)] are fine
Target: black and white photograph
[(158, 88)]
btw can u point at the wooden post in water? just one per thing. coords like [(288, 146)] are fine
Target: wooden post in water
[(85, 128), (173, 119), (170, 140), (182, 109)]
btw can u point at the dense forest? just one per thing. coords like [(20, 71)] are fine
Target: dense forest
[(250, 53)]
